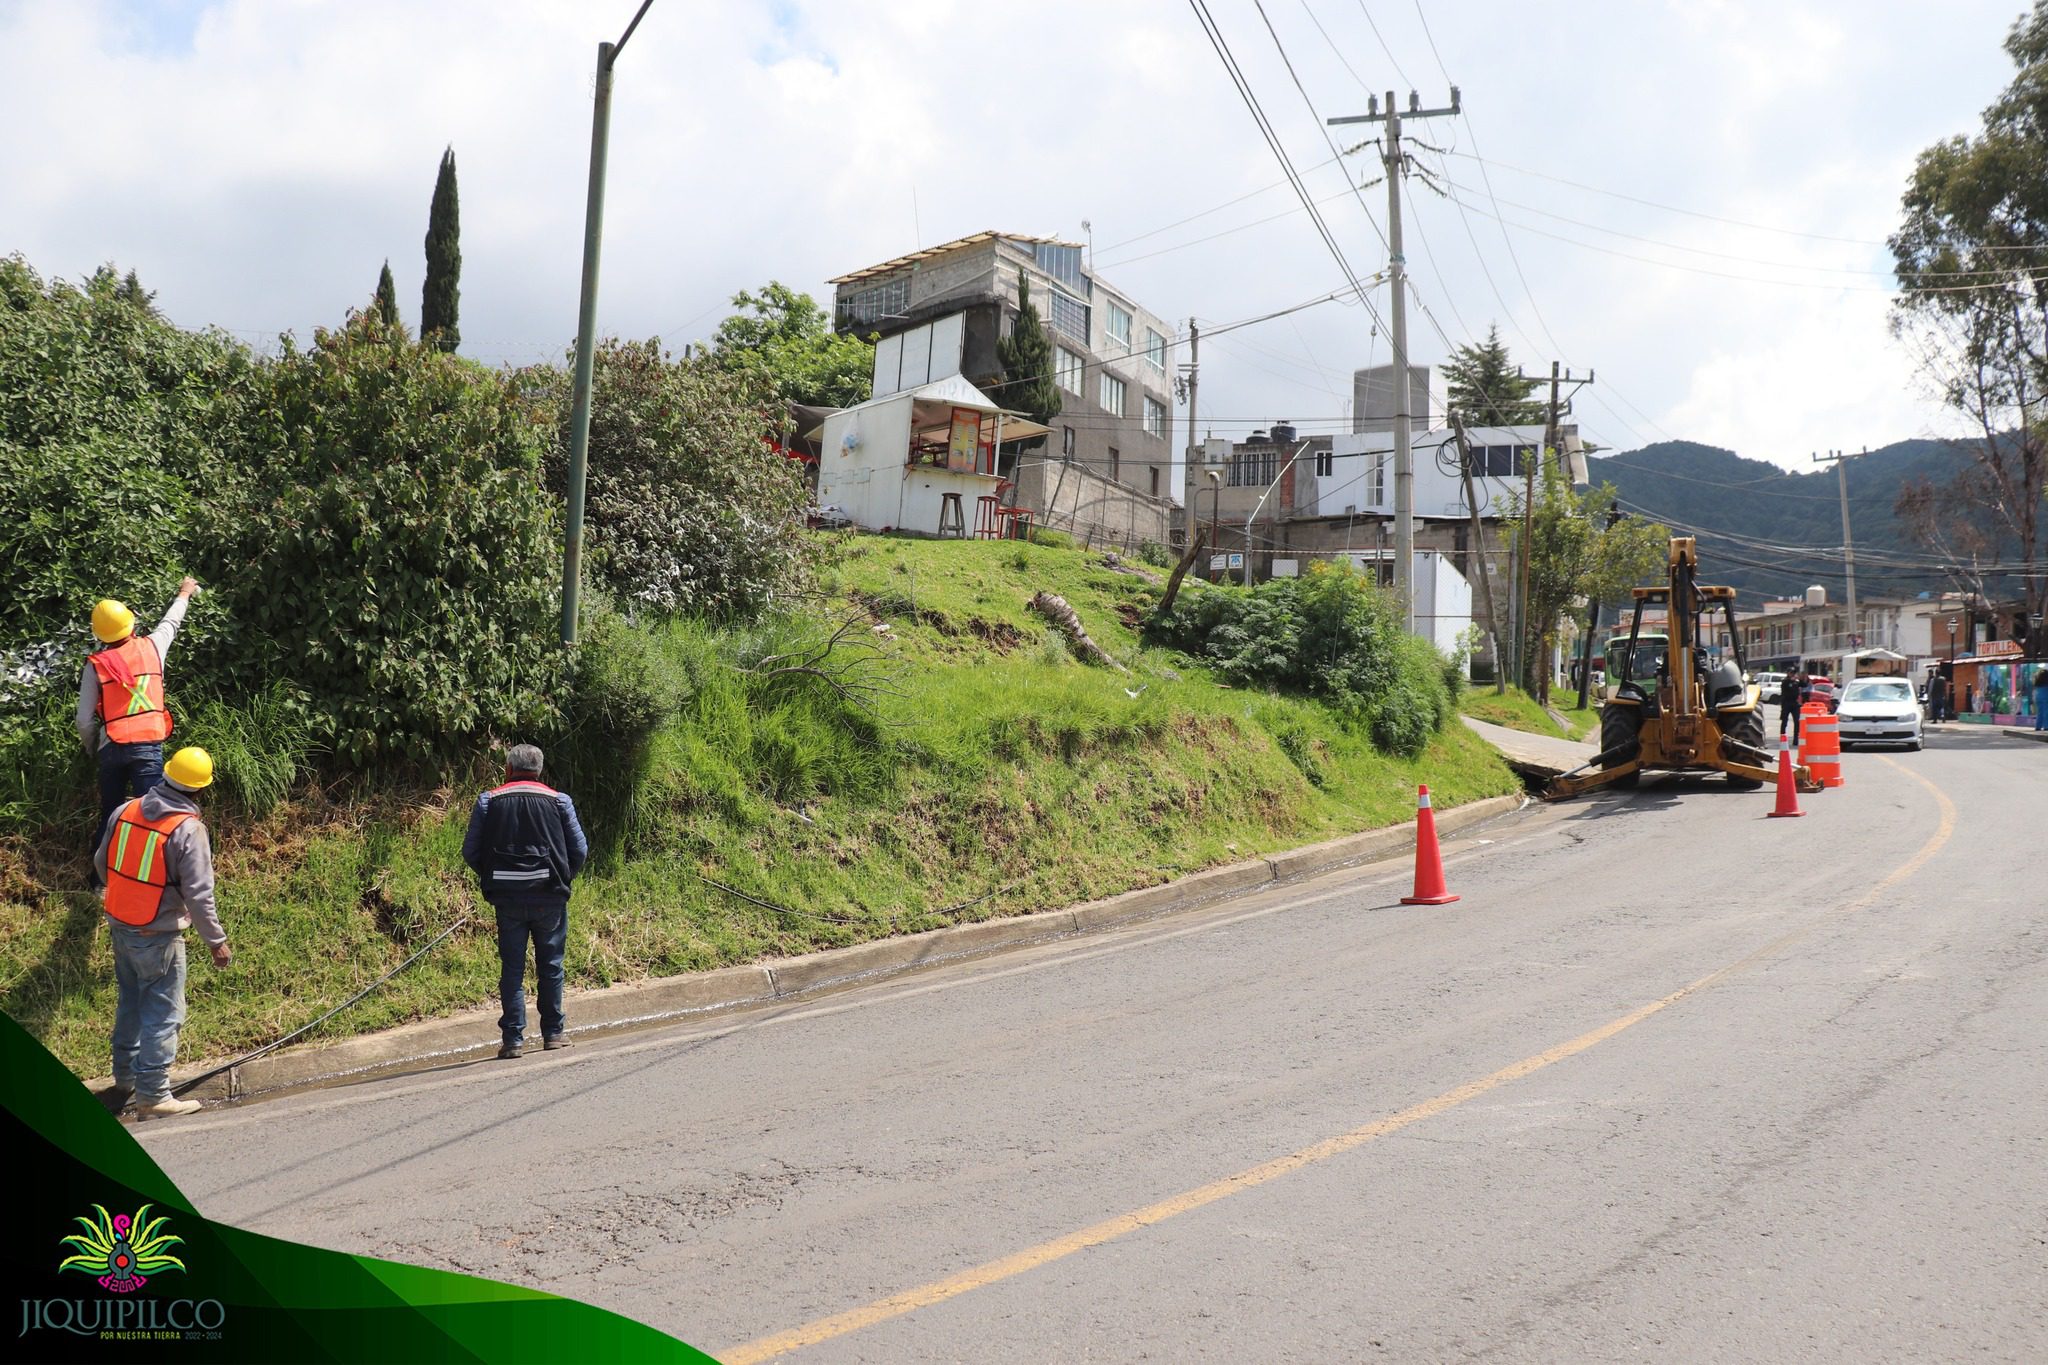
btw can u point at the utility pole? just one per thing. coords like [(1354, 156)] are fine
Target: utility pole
[(586, 324), (1841, 464), (1524, 641), (1397, 278), (1493, 623), (1194, 383)]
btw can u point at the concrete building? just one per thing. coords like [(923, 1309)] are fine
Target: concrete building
[(1283, 501), (1816, 633), (1105, 470)]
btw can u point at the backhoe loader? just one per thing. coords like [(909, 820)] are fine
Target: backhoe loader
[(1689, 716)]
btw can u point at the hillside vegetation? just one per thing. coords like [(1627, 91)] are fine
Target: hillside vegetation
[(994, 770)]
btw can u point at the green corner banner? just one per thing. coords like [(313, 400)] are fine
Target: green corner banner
[(109, 1261)]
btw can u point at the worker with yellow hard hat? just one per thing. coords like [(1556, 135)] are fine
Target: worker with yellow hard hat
[(121, 717), (155, 865)]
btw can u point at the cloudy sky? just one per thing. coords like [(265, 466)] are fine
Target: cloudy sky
[(1687, 198)]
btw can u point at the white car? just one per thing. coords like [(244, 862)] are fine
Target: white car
[(1879, 711)]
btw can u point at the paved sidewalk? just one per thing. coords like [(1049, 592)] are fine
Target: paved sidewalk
[(1537, 755)]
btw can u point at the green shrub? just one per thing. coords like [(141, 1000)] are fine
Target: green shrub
[(1155, 554), (387, 549), (1330, 633), (260, 747), (621, 688), (688, 510), (108, 424)]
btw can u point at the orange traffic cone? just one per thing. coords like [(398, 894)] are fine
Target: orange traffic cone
[(1429, 862), (1788, 788)]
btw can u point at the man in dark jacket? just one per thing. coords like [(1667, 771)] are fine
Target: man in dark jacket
[(1791, 695), (525, 846)]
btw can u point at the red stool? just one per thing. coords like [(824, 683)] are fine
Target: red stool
[(988, 517), (1020, 523)]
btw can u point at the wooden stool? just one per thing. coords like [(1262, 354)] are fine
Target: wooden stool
[(988, 517), (1020, 523), (952, 519)]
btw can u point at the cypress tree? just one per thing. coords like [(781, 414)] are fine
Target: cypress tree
[(1026, 353), (441, 297), (387, 298)]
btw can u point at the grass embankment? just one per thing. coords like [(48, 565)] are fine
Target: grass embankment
[(1517, 710), (995, 761)]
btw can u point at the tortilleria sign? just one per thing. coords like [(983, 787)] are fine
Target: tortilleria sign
[(1992, 648)]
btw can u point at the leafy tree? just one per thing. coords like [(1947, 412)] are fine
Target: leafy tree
[(108, 415), (388, 549), (688, 509), (441, 296), (784, 337), (1971, 255), (387, 299), (1575, 554), (1026, 353), (1482, 386)]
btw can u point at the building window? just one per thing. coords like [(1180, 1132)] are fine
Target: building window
[(1377, 486), (1326, 463), (1060, 261), (1155, 349), (1119, 326), (1155, 416), (1068, 370), (1155, 480), (888, 299), (1066, 440), (1115, 464), (1068, 316), (1113, 394)]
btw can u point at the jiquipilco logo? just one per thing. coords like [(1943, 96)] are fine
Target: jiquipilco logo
[(122, 1253)]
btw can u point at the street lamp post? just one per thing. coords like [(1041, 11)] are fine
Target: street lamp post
[(586, 325), (1948, 704)]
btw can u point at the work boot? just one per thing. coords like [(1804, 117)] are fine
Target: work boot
[(509, 1051), (554, 1042), (169, 1107), (116, 1096)]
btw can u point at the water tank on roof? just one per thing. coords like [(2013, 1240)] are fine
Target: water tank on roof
[(1257, 438), (1283, 433), (1816, 596)]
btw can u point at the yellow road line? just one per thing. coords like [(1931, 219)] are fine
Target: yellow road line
[(989, 1272)]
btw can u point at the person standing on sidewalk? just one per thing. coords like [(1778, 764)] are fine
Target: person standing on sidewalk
[(121, 717), (526, 846), (2041, 699), (155, 864), (1791, 696)]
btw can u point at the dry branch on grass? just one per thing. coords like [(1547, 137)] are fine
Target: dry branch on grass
[(1055, 608), (846, 662)]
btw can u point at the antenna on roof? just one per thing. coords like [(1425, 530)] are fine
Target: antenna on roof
[(1089, 228)]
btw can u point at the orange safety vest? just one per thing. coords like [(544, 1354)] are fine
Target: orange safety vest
[(136, 875), (132, 692)]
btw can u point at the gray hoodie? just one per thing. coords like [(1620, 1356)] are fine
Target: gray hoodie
[(188, 859)]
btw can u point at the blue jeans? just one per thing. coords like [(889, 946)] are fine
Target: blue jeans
[(2041, 708), (149, 972), (126, 770), (548, 926)]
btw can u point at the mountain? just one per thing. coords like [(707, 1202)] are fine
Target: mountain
[(1768, 532)]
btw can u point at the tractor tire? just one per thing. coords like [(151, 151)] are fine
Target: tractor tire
[(1744, 728), (1619, 728)]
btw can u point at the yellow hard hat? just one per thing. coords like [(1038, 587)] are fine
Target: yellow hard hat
[(191, 768), (112, 621)]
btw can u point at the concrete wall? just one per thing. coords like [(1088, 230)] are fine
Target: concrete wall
[(870, 481), (1072, 497), (1372, 398)]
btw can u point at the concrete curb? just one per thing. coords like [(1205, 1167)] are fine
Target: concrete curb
[(472, 1035)]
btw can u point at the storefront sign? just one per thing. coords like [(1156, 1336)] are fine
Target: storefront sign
[(966, 440), (1993, 648)]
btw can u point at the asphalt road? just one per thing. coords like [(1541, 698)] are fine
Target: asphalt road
[(1671, 1081)]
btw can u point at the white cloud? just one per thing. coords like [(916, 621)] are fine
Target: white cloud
[(256, 161)]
